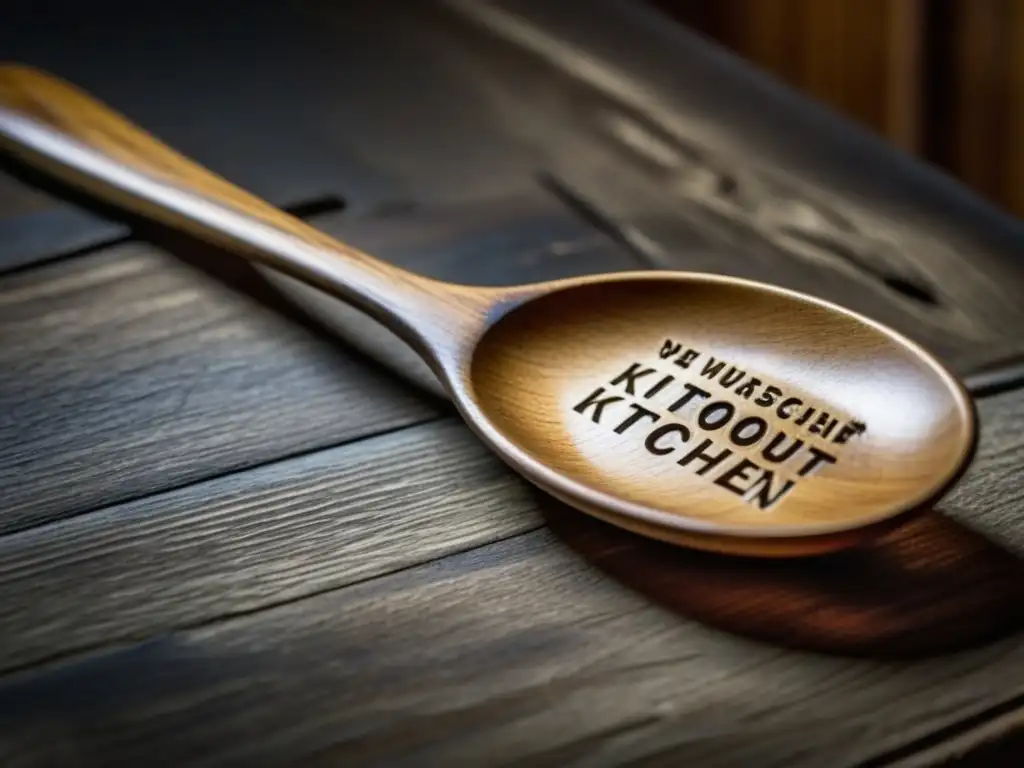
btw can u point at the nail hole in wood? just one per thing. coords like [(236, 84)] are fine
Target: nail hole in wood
[(317, 207), (912, 290)]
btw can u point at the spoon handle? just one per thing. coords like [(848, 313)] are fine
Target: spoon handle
[(55, 127)]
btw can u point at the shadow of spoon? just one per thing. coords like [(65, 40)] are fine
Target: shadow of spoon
[(933, 586)]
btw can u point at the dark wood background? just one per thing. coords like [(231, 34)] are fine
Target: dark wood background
[(941, 79), (241, 530)]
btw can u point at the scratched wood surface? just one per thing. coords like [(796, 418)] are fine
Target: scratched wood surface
[(226, 538), (406, 600), (704, 168), (131, 360), (173, 369), (408, 572)]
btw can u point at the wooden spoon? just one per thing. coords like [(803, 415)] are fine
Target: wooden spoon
[(703, 410)]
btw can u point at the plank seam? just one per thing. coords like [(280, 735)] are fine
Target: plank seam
[(226, 473), (313, 210), (958, 731), (47, 663), (62, 256)]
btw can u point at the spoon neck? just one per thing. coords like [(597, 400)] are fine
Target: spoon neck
[(436, 318), (440, 320)]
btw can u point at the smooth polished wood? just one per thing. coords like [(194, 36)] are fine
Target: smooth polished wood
[(858, 426), (725, 403)]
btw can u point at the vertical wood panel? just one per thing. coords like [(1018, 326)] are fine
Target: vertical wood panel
[(985, 100), (906, 46), (1012, 191), (943, 79), (862, 57), (977, 93), (764, 33)]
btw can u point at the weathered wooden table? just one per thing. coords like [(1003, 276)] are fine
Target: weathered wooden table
[(242, 527)]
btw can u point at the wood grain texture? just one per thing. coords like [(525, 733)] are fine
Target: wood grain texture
[(143, 370), (917, 230), (723, 415), (35, 227), (984, 98), (631, 679), (511, 652), (951, 239), (317, 116), (250, 540), (521, 238), (61, 130), (862, 57), (129, 371), (677, 167), (513, 361)]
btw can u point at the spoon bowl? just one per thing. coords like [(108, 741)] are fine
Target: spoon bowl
[(698, 409), (718, 412)]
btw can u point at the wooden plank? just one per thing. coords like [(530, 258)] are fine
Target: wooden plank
[(129, 371), (862, 58), (302, 110), (518, 239), (722, 178), (246, 541), (35, 227), (517, 652), (983, 97), (17, 199)]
